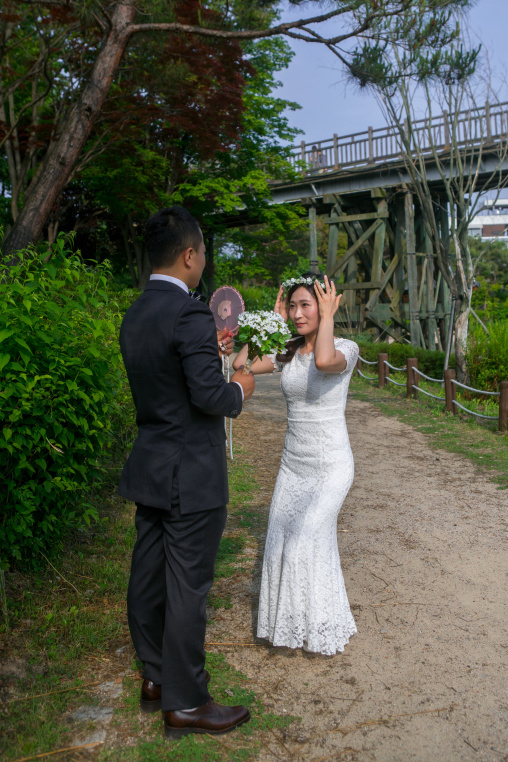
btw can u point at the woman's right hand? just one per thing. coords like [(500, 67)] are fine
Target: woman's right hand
[(281, 305)]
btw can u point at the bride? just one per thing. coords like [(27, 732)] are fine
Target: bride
[(303, 601)]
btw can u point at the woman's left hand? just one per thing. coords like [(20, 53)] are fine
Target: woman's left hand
[(328, 301)]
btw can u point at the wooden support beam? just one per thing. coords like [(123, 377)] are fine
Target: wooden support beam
[(382, 326), (438, 286), (398, 280), (386, 277), (423, 275), (378, 196), (351, 281), (313, 263), (358, 243), (358, 285), (412, 277), (377, 259), (334, 218), (333, 243), (395, 303)]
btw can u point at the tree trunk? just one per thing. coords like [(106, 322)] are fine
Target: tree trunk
[(461, 327), (62, 158)]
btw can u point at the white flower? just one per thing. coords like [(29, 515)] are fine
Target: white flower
[(259, 329), (287, 284)]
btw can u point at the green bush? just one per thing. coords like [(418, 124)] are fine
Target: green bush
[(258, 297), (487, 355), (61, 381), (431, 363)]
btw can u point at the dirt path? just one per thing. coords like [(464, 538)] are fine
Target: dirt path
[(422, 538)]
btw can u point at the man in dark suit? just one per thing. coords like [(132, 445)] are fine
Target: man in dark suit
[(177, 475)]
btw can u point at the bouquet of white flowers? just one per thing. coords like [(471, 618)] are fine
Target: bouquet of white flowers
[(264, 332)]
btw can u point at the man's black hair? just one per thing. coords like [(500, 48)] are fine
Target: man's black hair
[(169, 232)]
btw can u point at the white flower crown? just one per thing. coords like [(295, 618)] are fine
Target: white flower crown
[(287, 284)]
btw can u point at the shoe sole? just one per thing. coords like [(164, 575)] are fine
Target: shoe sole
[(150, 706), (176, 733)]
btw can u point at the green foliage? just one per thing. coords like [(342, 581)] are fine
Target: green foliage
[(431, 363), (431, 49), (490, 301), (258, 297), (61, 383), (487, 355), (491, 260)]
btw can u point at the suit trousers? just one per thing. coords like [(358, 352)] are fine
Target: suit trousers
[(172, 571)]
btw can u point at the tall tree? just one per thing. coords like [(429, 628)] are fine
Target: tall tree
[(224, 164), (115, 23)]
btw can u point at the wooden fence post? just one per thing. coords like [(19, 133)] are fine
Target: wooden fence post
[(382, 369), (415, 379), (503, 406), (358, 365), (370, 160), (412, 380), (449, 391), (335, 152)]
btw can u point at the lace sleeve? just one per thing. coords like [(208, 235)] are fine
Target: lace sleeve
[(350, 351), (277, 365)]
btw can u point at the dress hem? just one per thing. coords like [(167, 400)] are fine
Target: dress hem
[(339, 649)]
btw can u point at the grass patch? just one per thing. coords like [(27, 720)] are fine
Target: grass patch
[(229, 687), (67, 630), (230, 550), (480, 442)]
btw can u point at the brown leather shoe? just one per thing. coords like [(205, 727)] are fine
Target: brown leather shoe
[(210, 718), (150, 700)]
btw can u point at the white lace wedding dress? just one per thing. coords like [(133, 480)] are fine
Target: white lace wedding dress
[(303, 599)]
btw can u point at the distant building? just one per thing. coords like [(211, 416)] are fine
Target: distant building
[(491, 221)]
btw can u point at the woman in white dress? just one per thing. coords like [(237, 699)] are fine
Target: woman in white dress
[(303, 601)]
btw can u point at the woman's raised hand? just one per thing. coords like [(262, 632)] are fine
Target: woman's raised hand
[(328, 301), (281, 305)]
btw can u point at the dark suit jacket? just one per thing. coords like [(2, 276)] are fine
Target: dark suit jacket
[(169, 347)]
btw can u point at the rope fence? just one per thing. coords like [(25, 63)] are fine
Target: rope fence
[(369, 378), (393, 366), (471, 412), (422, 391), (470, 388), (396, 383), (428, 378), (449, 382)]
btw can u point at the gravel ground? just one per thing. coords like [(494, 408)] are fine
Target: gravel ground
[(422, 538)]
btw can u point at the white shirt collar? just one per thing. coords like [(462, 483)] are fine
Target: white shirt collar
[(170, 279)]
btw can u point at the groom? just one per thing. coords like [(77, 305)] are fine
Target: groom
[(177, 475)]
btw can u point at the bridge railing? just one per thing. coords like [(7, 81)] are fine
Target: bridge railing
[(477, 126)]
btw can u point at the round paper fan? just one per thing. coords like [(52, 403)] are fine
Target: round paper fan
[(227, 306)]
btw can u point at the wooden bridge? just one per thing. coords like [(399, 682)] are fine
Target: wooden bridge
[(391, 282)]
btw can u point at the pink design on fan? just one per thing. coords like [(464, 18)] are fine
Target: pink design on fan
[(227, 305)]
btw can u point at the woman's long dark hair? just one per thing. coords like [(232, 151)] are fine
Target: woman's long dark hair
[(295, 342)]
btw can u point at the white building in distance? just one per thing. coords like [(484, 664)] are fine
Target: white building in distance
[(491, 221)]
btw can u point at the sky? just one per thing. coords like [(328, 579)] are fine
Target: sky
[(330, 105)]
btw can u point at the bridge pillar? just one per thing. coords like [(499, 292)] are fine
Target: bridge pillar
[(313, 266), (333, 244)]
